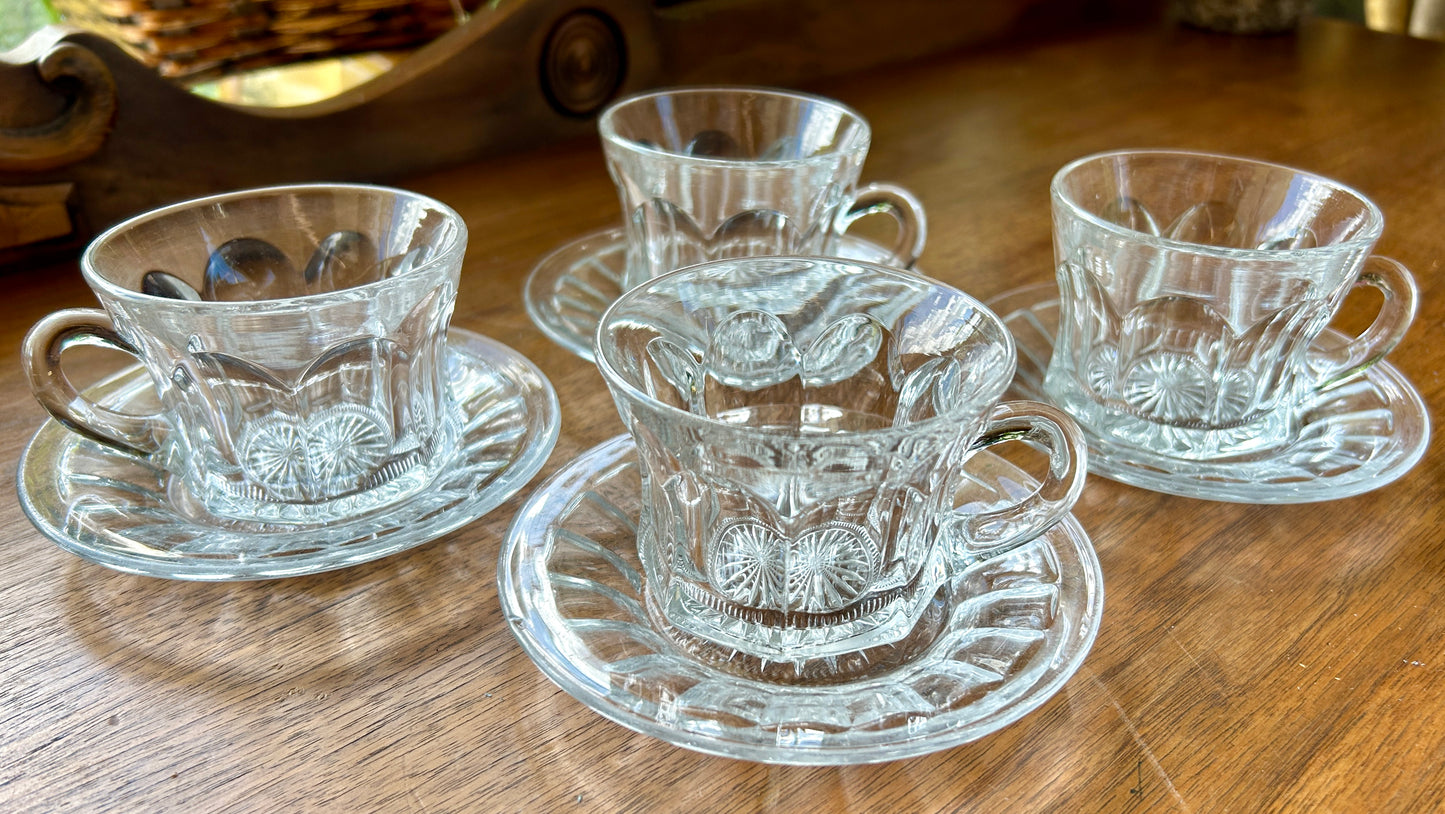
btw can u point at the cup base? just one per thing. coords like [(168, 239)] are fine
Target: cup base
[(396, 480), (1354, 438), (1255, 439), (119, 509), (570, 584), (730, 645)]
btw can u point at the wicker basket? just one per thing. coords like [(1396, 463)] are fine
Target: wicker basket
[(201, 39)]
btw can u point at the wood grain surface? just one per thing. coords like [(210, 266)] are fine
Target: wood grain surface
[(1252, 658)]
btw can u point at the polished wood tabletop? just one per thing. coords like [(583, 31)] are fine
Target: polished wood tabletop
[(1251, 658)]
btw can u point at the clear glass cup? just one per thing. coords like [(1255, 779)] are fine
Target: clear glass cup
[(294, 336), (1192, 290), (709, 173), (802, 425)]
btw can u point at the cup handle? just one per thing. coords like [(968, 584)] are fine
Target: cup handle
[(1395, 282), (982, 535), (43, 346), (906, 210)]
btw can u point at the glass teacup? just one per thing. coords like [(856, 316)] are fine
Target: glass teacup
[(709, 173), (803, 425), (295, 337), (1192, 290)]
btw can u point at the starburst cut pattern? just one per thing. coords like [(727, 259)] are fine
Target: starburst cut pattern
[(346, 444), (1211, 373), (1354, 438), (275, 453), (1168, 386), (828, 569), (748, 565), (293, 457), (115, 508), (824, 569), (1029, 619)]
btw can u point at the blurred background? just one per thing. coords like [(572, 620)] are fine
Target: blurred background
[(334, 47), (18, 18), (500, 75), (1423, 18)]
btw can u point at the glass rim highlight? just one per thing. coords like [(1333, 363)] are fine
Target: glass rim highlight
[(1363, 240), (987, 397), (610, 135), (450, 251)]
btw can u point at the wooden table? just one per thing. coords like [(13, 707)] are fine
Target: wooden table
[(1251, 657)]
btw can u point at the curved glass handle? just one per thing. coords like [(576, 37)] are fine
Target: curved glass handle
[(1396, 313), (42, 349), (906, 210), (982, 535)]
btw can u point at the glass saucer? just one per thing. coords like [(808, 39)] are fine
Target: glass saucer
[(1356, 437), (116, 508), (571, 588), (569, 289)]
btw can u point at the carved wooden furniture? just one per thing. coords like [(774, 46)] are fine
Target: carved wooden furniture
[(88, 135)]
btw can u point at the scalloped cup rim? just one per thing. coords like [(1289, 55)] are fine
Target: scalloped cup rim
[(450, 252), (1364, 239), (610, 135), (984, 397)]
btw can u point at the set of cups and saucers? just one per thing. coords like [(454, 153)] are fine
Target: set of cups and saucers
[(804, 548)]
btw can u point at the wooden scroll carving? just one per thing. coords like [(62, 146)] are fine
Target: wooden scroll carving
[(71, 92), (89, 136), (62, 105)]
